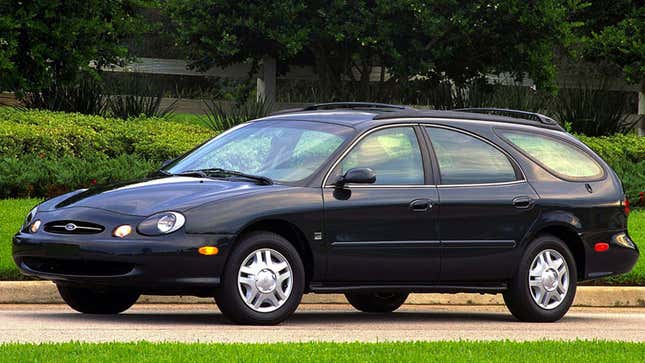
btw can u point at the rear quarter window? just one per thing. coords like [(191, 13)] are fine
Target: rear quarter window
[(558, 156)]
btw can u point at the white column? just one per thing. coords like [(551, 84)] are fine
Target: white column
[(266, 86), (641, 108)]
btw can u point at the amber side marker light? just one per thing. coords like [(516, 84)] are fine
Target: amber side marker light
[(122, 231), (208, 250), (601, 247)]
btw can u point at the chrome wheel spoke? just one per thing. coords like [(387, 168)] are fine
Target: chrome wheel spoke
[(247, 270), (536, 281), (258, 301), (271, 298), (545, 298), (247, 281), (548, 279), (265, 280)]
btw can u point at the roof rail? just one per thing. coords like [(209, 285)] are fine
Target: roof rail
[(511, 113), (349, 105)]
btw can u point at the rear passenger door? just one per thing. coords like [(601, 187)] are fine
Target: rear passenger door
[(486, 206)]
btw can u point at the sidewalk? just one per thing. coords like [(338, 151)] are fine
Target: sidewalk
[(44, 292)]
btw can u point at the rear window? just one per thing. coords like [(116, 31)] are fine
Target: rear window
[(557, 156)]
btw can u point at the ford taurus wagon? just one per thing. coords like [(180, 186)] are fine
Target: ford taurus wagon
[(373, 201)]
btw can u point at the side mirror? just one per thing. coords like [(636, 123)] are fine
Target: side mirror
[(357, 175)]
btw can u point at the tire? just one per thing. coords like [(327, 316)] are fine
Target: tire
[(537, 303), (376, 302), (256, 292), (98, 301)]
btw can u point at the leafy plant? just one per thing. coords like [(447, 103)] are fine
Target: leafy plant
[(594, 111), (220, 116), (85, 97), (140, 100)]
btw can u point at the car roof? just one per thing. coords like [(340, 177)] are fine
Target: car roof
[(363, 116)]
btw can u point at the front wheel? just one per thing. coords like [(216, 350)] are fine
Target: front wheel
[(376, 302), (98, 301), (544, 285), (263, 280)]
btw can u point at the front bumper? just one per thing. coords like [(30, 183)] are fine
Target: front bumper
[(169, 264)]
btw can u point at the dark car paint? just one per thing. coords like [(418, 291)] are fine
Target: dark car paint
[(469, 238)]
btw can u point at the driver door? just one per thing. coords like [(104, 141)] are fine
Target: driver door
[(385, 232)]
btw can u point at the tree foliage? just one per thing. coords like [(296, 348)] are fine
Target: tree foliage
[(455, 39), (47, 42), (613, 32)]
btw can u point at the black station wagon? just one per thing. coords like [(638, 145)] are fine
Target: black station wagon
[(370, 200)]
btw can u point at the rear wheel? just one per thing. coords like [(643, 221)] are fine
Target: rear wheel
[(376, 302), (98, 301), (544, 286), (263, 280)]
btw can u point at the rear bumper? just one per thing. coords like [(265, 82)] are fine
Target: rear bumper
[(163, 265), (618, 259)]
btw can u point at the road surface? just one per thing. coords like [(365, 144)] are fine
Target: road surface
[(329, 322)]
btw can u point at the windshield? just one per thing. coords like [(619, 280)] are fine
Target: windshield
[(285, 151)]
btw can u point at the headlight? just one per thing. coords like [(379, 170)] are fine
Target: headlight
[(161, 223), (30, 217)]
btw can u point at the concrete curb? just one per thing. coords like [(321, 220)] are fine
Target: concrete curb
[(44, 292)]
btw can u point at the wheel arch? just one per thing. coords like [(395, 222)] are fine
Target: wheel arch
[(291, 233), (568, 234)]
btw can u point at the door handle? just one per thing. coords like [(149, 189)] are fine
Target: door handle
[(523, 202), (420, 205)]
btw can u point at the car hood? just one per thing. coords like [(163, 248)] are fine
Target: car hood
[(149, 196)]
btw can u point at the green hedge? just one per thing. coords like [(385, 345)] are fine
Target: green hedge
[(31, 176), (56, 134), (626, 155)]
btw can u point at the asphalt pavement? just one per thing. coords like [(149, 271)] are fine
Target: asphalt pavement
[(312, 322)]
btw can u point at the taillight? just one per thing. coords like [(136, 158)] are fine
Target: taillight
[(626, 205)]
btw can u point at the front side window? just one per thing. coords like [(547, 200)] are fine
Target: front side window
[(556, 155), (284, 151), (392, 153), (464, 159)]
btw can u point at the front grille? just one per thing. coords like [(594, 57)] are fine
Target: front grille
[(73, 227), (77, 267)]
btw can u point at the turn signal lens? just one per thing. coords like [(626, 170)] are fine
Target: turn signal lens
[(35, 226), (601, 247), (122, 231), (627, 206), (208, 250)]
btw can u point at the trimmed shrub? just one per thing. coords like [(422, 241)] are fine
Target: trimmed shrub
[(32, 176), (56, 134), (626, 155)]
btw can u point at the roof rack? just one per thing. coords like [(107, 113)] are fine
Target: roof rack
[(349, 105), (483, 114), (511, 113)]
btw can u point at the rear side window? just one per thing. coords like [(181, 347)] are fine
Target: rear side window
[(464, 159), (557, 156)]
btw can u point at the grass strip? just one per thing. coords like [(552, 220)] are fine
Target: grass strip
[(459, 351)]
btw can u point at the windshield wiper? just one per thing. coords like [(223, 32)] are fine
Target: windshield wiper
[(223, 172), (198, 173)]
